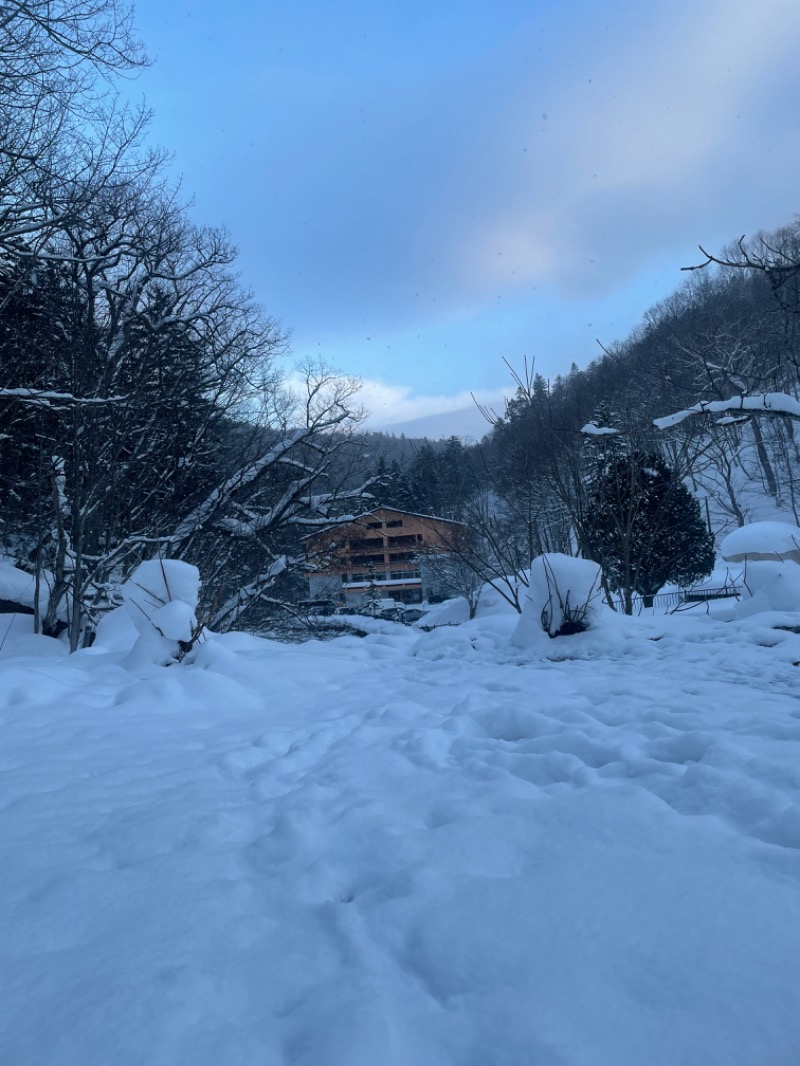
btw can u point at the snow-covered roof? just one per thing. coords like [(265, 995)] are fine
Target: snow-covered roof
[(395, 582), (353, 520), (762, 540), (411, 514)]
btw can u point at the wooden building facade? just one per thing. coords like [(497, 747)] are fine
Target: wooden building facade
[(381, 547)]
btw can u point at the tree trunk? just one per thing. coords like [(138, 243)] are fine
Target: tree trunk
[(763, 458)]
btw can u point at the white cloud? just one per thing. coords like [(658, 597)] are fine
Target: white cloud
[(581, 151), (388, 405)]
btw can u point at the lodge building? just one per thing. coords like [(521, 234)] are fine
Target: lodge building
[(385, 547)]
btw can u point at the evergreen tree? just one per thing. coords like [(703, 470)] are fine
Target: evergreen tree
[(392, 487), (424, 479), (457, 478), (645, 528)]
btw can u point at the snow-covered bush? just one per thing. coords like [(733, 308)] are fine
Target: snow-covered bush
[(161, 598), (563, 598)]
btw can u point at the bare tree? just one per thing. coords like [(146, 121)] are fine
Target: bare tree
[(151, 345), (58, 112), (774, 257), (456, 570), (247, 532)]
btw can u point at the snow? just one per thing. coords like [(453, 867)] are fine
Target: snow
[(760, 539), (45, 398), (160, 598), (20, 587), (770, 552), (451, 612), (591, 429), (771, 403), (115, 631), (769, 586), (155, 583), (17, 638), (175, 620), (562, 589), (427, 848)]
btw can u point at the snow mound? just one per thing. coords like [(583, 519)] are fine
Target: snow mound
[(564, 597), (493, 603), (175, 620), (448, 613), (769, 586), (161, 597), (17, 638), (115, 632), (17, 586), (762, 541), (157, 582)]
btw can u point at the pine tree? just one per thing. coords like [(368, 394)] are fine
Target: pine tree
[(424, 478), (457, 479), (392, 487), (645, 528)]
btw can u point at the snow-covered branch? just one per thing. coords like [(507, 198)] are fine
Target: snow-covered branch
[(45, 398), (211, 507), (230, 612), (770, 403), (591, 429)]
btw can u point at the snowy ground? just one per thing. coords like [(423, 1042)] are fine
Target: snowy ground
[(406, 850)]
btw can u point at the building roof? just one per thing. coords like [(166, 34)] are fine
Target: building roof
[(353, 520)]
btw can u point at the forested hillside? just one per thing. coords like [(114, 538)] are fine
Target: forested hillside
[(728, 337)]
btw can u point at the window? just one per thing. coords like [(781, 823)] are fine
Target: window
[(393, 525), (367, 560), (366, 545)]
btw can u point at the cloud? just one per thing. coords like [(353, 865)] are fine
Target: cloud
[(505, 174), (640, 150), (391, 180), (390, 405), (387, 405)]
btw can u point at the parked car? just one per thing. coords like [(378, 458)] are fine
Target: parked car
[(315, 608), (392, 614)]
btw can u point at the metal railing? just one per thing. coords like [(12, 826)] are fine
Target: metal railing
[(686, 597)]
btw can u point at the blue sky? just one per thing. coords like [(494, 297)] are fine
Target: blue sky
[(421, 190)]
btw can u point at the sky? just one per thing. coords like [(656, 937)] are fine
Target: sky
[(421, 192)]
